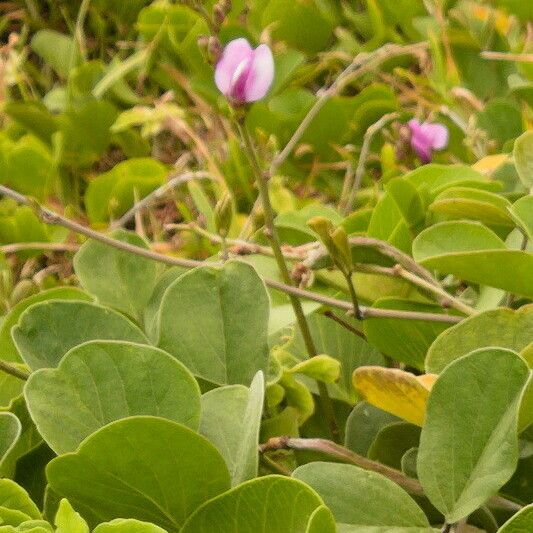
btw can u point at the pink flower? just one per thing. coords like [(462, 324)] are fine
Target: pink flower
[(244, 74), (426, 137)]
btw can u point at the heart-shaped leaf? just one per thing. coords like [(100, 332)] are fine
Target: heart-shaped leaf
[(117, 278), (48, 330), (263, 505), (7, 347), (215, 321), (469, 444), (360, 499), (101, 381), (146, 468)]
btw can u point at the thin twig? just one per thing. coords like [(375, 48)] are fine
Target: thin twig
[(159, 193), (503, 56), (365, 148), (343, 323), (344, 454), (45, 246), (13, 370), (443, 298), (52, 218)]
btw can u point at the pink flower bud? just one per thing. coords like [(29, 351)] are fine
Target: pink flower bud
[(426, 137), (244, 74)]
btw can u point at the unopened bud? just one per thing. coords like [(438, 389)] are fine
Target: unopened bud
[(343, 254), (210, 47), (224, 215), (220, 11)]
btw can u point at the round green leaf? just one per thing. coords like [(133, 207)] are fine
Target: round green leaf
[(7, 347), (117, 278), (469, 444), (48, 330), (215, 321), (146, 468), (263, 505), (503, 328), (102, 381), (361, 498), (474, 253)]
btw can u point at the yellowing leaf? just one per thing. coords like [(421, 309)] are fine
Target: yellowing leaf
[(488, 164), (395, 391), (428, 380)]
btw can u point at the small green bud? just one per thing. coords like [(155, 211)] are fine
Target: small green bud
[(342, 246), (224, 214)]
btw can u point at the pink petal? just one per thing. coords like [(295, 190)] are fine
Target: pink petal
[(260, 75), (438, 133), (422, 147), (234, 54), (237, 90)]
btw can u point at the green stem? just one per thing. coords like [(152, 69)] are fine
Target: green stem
[(272, 235), (356, 309), (13, 370)]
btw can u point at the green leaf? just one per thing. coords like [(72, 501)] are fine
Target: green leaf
[(263, 505), (363, 424), (101, 381), (57, 50), (393, 442), (14, 497), (215, 321), (434, 178), (522, 213), (320, 367), (523, 158), (406, 341), (503, 328), (128, 525), (111, 194), (501, 119), (474, 204), (7, 347), (361, 498), (68, 520), (469, 444), (10, 429), (146, 468), (521, 522), (48, 330), (474, 253), (117, 278), (28, 440), (231, 419)]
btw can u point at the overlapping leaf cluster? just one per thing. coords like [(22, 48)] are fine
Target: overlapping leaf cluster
[(140, 397)]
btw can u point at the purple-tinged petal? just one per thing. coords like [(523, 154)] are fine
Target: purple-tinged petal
[(438, 134), (422, 147), (260, 75), (237, 90), (234, 54)]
